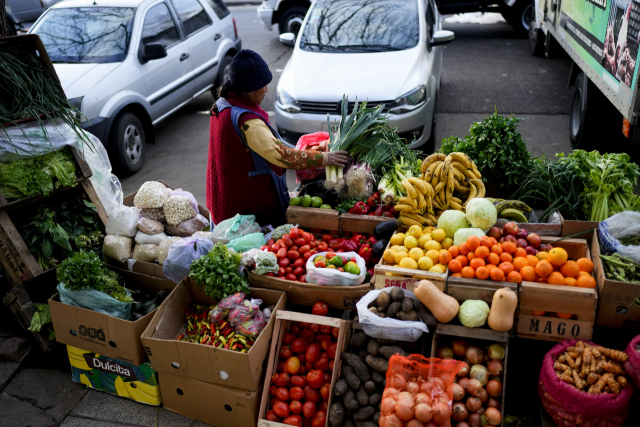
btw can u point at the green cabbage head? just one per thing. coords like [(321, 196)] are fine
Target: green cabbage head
[(451, 221), (481, 213), (473, 313)]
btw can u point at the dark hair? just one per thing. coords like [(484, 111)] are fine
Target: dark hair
[(223, 92)]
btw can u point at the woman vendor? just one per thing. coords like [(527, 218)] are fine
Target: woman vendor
[(247, 159)]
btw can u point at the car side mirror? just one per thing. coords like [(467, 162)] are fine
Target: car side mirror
[(154, 51), (288, 39), (442, 37)]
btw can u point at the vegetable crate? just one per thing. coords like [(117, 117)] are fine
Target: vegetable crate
[(359, 223), (570, 228), (446, 333), (579, 302), (284, 321), (314, 218)]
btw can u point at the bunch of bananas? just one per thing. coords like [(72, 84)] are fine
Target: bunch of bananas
[(511, 209)]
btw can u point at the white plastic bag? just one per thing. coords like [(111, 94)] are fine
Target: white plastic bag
[(619, 226), (163, 248), (181, 192), (382, 327), (152, 194), (178, 209), (181, 254), (333, 277), (117, 247), (123, 221), (150, 239)]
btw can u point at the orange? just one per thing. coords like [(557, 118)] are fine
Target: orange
[(496, 249), (586, 282), (570, 269), (482, 273), (543, 269), (542, 255), (468, 273), (564, 315), (532, 260), (520, 252), (538, 312), (473, 242), (486, 241), (514, 277), (555, 278), (464, 261), (509, 247), (471, 255), (507, 267), (454, 265), (497, 274), (464, 250), (541, 280), (494, 241), (491, 267), (506, 257), (456, 275), (482, 251), (570, 281), (528, 274), (585, 264), (583, 273), (444, 257), (477, 263), (558, 256), (493, 259), (454, 251), (520, 262)]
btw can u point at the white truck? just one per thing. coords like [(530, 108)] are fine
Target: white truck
[(601, 37)]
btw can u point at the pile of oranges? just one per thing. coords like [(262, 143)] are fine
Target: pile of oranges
[(485, 259)]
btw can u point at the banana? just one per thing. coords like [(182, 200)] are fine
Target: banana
[(438, 213), (455, 205), (464, 189), (419, 184), (450, 186), (494, 201), (148, 389), (438, 188), (462, 158), (408, 221), (431, 170), (456, 200), (512, 204), (513, 214), (437, 172), (430, 217), (405, 208), (457, 174), (414, 217), (446, 168), (429, 189), (422, 203), (429, 160), (476, 172), (480, 185), (411, 191), (429, 207), (465, 171), (409, 201), (139, 395), (474, 190)]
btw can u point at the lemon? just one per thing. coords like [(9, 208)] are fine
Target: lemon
[(442, 250), (397, 239), (408, 263), (438, 234), (432, 245), (400, 256), (439, 268), (428, 230), (410, 242), (433, 255), (399, 248), (428, 235), (423, 239), (389, 256), (425, 263), (416, 253), (447, 243), (415, 231)]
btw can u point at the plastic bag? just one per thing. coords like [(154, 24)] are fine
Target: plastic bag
[(249, 241), (152, 194), (96, 301), (243, 312), (150, 239), (632, 366), (123, 221), (145, 253), (569, 406), (231, 301), (178, 209), (163, 248), (181, 254), (252, 328), (424, 385), (333, 277), (117, 247), (181, 192), (186, 228), (238, 226), (619, 226), (305, 143), (266, 262), (386, 328), (218, 314), (150, 226), (205, 222), (156, 214), (205, 234)]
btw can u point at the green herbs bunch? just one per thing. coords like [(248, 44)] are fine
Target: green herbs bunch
[(217, 272), (86, 270), (41, 319)]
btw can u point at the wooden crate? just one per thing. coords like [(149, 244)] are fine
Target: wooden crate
[(284, 320), (314, 218), (570, 228), (542, 229), (359, 223), (475, 334)]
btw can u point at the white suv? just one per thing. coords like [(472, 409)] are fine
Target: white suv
[(128, 64)]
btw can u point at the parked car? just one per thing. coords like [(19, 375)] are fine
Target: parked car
[(288, 14), (382, 51), (128, 64), (21, 11)]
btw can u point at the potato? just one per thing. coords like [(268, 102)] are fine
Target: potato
[(393, 309), (383, 301), (370, 386), (425, 315), (364, 413), (366, 424), (407, 304), (377, 377), (389, 350), (357, 364), (381, 315), (397, 294), (378, 363), (337, 414), (373, 303), (373, 310), (341, 387), (352, 379), (362, 396), (348, 423), (376, 418), (373, 347), (374, 399), (359, 339), (362, 354), (350, 401), (410, 316)]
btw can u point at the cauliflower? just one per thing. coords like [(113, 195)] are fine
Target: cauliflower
[(473, 313)]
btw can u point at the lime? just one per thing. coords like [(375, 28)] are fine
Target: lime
[(306, 201), (295, 201), (316, 202), (325, 206)]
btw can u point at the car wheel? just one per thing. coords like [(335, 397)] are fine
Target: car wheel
[(127, 145), (536, 41), (291, 20), (519, 16)]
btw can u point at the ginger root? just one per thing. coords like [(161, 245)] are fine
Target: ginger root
[(561, 367), (601, 383), (613, 384), (613, 368), (617, 355), (622, 381), (577, 380), (593, 378)]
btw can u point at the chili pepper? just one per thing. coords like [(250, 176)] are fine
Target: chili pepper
[(350, 246), (226, 334), (234, 347), (336, 243), (180, 337), (226, 346)]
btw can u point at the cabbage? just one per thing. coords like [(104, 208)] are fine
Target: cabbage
[(463, 234), (473, 313), (451, 221), (481, 213)]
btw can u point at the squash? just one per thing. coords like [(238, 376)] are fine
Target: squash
[(503, 309), (442, 306)]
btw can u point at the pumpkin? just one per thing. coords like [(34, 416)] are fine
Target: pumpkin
[(503, 308), (442, 306)]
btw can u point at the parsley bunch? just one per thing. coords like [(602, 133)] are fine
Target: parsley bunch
[(217, 272)]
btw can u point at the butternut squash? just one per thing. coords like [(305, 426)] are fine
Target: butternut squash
[(503, 308), (442, 306)]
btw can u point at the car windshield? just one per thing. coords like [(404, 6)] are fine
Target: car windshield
[(361, 26), (87, 34)]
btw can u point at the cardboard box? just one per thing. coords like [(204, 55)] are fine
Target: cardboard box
[(201, 362), (209, 403), (136, 382), (101, 333)]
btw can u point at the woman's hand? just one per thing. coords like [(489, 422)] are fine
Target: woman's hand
[(337, 158)]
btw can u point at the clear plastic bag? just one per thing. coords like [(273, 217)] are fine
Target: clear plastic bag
[(145, 253), (252, 328), (246, 242), (96, 301), (117, 247), (150, 226), (150, 239), (186, 228), (238, 226), (178, 209), (123, 221), (156, 214), (266, 262), (231, 301), (333, 277), (243, 312), (152, 194), (391, 329), (163, 248), (619, 226), (181, 254), (181, 192)]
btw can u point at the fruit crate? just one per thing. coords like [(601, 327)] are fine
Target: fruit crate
[(314, 219), (541, 229), (284, 320), (359, 223), (445, 333)]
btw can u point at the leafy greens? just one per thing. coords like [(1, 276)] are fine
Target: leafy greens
[(42, 318), (218, 272)]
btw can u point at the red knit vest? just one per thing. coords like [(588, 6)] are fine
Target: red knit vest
[(230, 189)]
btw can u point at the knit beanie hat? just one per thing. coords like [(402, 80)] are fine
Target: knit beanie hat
[(248, 72)]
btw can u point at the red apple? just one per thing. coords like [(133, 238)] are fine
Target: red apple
[(495, 232), (522, 234), (510, 228), (534, 240), (531, 250), (522, 243), (501, 240), (510, 238)]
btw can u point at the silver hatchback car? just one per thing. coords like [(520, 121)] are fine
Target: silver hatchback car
[(128, 64)]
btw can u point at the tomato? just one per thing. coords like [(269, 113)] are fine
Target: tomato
[(322, 247), (302, 358), (296, 393), (331, 364), (276, 247), (282, 252), (293, 255), (294, 233), (322, 363), (288, 270), (281, 271), (300, 344), (299, 271), (320, 309), (270, 242), (315, 328), (325, 329), (282, 394), (272, 390), (300, 241), (285, 352), (332, 350), (300, 262), (312, 353), (323, 405), (313, 245), (295, 407), (325, 344), (272, 402), (298, 381), (315, 378), (327, 378), (303, 371), (293, 420), (281, 409), (288, 338), (306, 255), (287, 240), (306, 422), (295, 330), (311, 394), (284, 262), (307, 333), (325, 391), (290, 276), (304, 249), (335, 332), (326, 237), (319, 419), (308, 366), (282, 380), (280, 366), (303, 278), (293, 248), (272, 417), (309, 409), (304, 325), (307, 237), (321, 337), (292, 365)]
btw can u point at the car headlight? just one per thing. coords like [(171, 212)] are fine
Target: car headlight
[(409, 101), (286, 102), (77, 103)]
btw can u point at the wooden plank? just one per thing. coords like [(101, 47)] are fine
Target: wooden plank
[(20, 251), (557, 298), (91, 192), (23, 309), (85, 170), (464, 289), (553, 328), (359, 223), (278, 331), (474, 333), (308, 318), (323, 219)]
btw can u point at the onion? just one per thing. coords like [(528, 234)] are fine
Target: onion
[(494, 388), (496, 352), (387, 405), (426, 388), (391, 392), (479, 373), (474, 354), (493, 403), (446, 424), (483, 420), (474, 388), (430, 424), (456, 391), (474, 420), (459, 347), (391, 421), (437, 381), (464, 371), (413, 388), (459, 412), (473, 404), (444, 352), (404, 410), (441, 412), (481, 413), (493, 416), (423, 412), (462, 424), (414, 423), (423, 398), (484, 396), (464, 382), (495, 367), (406, 396), (398, 381)]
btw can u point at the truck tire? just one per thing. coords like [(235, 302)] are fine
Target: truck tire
[(536, 41), (291, 20), (519, 16), (591, 123), (127, 144)]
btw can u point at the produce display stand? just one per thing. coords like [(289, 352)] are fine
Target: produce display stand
[(284, 320), (454, 331), (314, 218), (541, 229), (359, 223)]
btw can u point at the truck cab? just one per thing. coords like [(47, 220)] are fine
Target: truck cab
[(288, 14)]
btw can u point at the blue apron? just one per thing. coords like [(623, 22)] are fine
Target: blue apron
[(262, 168)]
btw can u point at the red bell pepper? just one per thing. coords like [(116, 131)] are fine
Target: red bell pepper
[(359, 239), (393, 212), (336, 244), (379, 211), (371, 241), (371, 214), (365, 253), (374, 200), (350, 246), (387, 215), (360, 208)]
